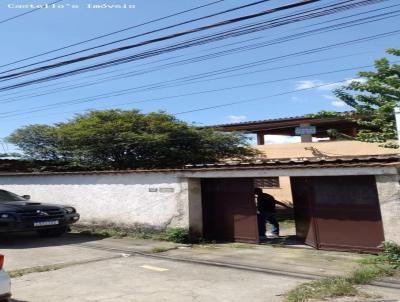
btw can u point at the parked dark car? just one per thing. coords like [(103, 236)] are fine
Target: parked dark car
[(18, 214)]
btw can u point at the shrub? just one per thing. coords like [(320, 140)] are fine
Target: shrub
[(391, 251), (178, 235)]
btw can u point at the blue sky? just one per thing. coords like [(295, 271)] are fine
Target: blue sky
[(48, 29)]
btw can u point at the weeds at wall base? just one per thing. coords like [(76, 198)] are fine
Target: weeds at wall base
[(177, 235), (372, 268)]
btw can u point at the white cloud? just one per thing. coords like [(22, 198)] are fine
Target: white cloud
[(338, 103), (328, 86), (329, 97), (334, 100), (324, 86), (360, 80), (306, 84), (281, 139), (237, 118)]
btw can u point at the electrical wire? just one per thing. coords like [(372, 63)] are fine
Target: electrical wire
[(258, 98), (57, 105), (141, 56), (247, 65), (131, 37), (240, 49), (174, 57), (28, 12), (112, 33), (165, 38), (194, 79)]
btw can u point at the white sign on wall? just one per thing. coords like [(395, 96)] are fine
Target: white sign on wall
[(305, 130)]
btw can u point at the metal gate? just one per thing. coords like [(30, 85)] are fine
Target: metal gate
[(229, 210), (338, 213)]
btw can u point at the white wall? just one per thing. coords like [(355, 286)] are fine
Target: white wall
[(284, 192), (122, 199), (389, 199)]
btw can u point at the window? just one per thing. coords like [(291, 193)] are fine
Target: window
[(267, 182), (8, 196)]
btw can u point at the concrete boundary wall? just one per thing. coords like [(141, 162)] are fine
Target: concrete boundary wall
[(155, 200), (173, 198)]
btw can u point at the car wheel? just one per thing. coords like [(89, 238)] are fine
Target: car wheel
[(52, 232)]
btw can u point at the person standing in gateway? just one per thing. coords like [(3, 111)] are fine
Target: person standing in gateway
[(266, 206)]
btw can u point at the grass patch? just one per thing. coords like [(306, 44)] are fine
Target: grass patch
[(177, 235), (38, 269), (156, 250), (331, 287), (242, 246), (322, 289), (372, 268), (366, 274), (286, 224)]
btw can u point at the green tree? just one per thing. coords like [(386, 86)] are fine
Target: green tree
[(373, 99), (37, 142), (116, 139)]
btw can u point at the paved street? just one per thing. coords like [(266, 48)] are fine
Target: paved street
[(83, 268), (143, 279)]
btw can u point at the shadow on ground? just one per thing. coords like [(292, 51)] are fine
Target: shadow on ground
[(285, 241), (32, 240)]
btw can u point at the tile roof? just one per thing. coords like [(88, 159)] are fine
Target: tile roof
[(331, 162), (281, 119), (359, 161)]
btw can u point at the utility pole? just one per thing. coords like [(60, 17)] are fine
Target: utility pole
[(397, 115)]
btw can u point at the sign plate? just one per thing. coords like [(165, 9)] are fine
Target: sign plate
[(167, 190), (305, 130)]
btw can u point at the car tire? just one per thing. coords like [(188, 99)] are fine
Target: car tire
[(52, 232)]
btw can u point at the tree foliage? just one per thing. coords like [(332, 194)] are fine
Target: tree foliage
[(373, 99), (117, 139)]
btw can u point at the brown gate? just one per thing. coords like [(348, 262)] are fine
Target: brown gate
[(229, 210), (343, 212)]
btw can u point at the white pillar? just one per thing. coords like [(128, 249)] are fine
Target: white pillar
[(389, 200), (397, 115)]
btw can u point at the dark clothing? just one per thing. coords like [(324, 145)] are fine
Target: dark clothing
[(266, 213), (263, 218), (266, 203)]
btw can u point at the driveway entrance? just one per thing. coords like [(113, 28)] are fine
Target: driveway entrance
[(331, 212), (338, 212), (229, 210)]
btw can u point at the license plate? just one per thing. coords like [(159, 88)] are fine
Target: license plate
[(45, 223)]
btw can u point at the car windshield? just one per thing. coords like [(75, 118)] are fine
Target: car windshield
[(8, 196)]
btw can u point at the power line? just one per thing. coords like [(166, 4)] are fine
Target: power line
[(257, 98), (186, 44), (28, 12), (162, 38), (46, 107), (131, 37), (222, 46), (238, 67), (197, 78), (240, 49), (112, 33)]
